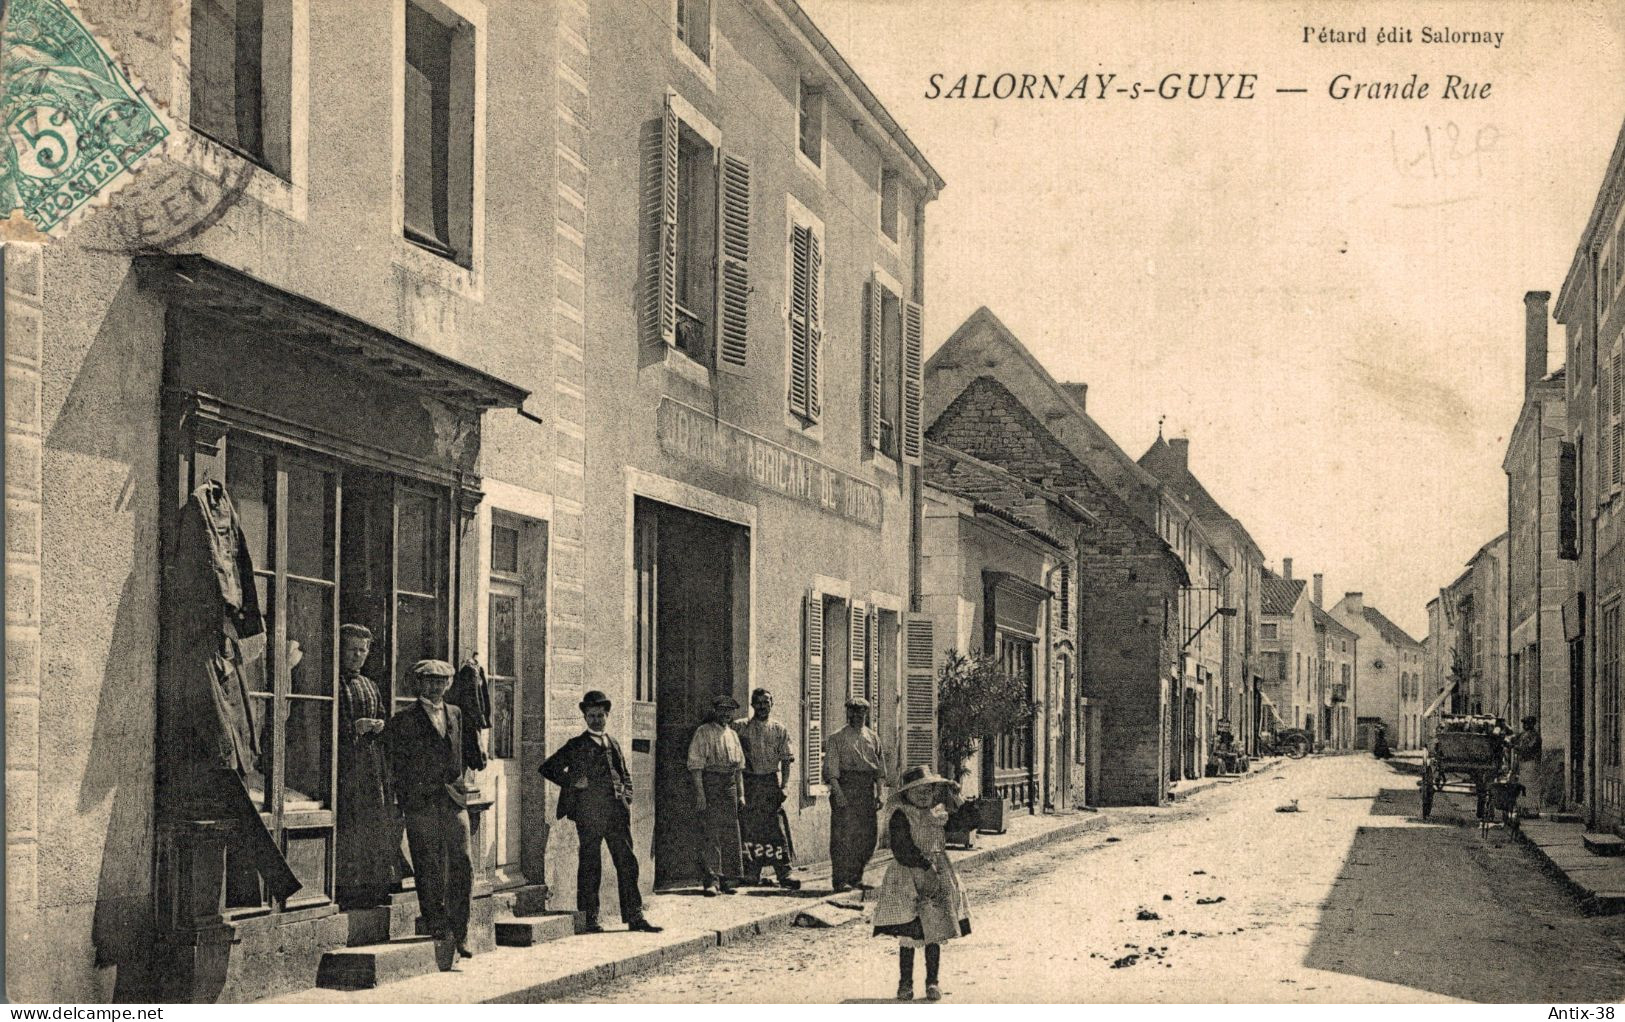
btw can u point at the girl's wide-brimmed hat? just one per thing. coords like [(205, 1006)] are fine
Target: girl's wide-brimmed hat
[(915, 777)]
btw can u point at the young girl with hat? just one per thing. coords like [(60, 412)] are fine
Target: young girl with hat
[(921, 902)]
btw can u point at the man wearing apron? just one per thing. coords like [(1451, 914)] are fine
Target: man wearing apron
[(854, 768)]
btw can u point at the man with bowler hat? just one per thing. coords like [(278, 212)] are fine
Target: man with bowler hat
[(428, 750), (595, 791)]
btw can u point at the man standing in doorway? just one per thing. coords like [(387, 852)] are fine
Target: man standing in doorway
[(717, 762), (769, 752), (428, 750), (596, 794), (854, 767)]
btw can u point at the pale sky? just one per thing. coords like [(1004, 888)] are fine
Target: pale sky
[(1325, 296)]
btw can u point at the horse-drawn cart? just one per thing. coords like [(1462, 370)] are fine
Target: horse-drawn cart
[(1470, 749)]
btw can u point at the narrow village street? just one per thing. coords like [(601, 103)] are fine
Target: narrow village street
[(1352, 898)]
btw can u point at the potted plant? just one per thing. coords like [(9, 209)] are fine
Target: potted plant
[(976, 698)]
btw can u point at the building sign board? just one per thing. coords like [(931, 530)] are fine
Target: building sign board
[(694, 435)]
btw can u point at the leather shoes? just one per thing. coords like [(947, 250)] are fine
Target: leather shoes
[(463, 950), (790, 883), (729, 889), (592, 925), (709, 891), (642, 925)]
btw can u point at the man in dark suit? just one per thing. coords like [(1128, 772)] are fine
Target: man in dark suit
[(596, 793), (428, 750)]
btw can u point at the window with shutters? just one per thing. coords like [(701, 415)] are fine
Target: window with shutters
[(815, 638), (810, 124), (240, 74), (438, 125), (696, 243), (883, 365), (698, 220), (804, 336)]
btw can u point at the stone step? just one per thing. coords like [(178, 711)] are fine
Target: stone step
[(362, 968), (524, 931), (1566, 817), (1604, 844)]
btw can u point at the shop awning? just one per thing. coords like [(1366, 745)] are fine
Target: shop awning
[(212, 289)]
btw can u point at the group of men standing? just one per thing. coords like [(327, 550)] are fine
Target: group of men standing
[(415, 760)]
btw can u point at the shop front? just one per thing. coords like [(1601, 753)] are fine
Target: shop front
[(333, 467)]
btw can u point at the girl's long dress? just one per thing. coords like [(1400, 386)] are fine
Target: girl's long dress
[(905, 911)]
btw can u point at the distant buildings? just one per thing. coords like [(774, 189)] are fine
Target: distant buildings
[(1389, 671)]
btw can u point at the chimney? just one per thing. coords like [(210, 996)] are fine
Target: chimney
[(1286, 567), (1320, 591), (1355, 601), (1181, 446), (1534, 337), (1077, 392)]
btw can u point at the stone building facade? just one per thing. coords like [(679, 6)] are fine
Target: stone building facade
[(1389, 671), (1288, 651), (1129, 583), (1591, 307), (983, 346), (1540, 557)]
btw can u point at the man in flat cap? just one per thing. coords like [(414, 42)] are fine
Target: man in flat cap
[(595, 792), (854, 768), (428, 751), (716, 761)]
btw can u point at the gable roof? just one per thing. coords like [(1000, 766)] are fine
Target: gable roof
[(988, 422), (1279, 596), (1390, 632), (1173, 468), (1326, 620), (983, 320)]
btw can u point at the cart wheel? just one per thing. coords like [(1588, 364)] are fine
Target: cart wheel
[(1242, 764), (1298, 749), (1427, 790), (1438, 781), (1482, 791)]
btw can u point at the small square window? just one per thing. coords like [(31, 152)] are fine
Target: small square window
[(890, 204), (504, 549), (694, 26), (810, 124)]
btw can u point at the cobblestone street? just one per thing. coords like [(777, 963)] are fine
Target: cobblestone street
[(1352, 898)]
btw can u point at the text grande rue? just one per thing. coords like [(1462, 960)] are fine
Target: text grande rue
[(1188, 85)]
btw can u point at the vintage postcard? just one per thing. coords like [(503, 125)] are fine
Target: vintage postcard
[(813, 501)]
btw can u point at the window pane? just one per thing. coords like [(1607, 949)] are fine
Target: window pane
[(259, 789), (427, 110), (504, 615), (502, 714), (253, 492), (310, 522), (310, 754), (422, 634), (259, 679), (226, 75), (416, 534), (310, 624), (504, 549)]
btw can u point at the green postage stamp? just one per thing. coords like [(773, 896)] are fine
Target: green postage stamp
[(75, 124)]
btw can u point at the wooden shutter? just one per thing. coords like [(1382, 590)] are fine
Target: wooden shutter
[(1619, 386), (812, 692), (733, 291), (920, 693), (661, 323), (815, 324), (913, 381), (857, 643), (800, 242), (1066, 598), (873, 368), (871, 674), (1613, 477)]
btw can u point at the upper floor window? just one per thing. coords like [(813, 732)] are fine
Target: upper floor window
[(805, 261), (892, 383), (698, 279), (694, 27), (891, 204), (1269, 631), (810, 124), (438, 152), (241, 77)]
